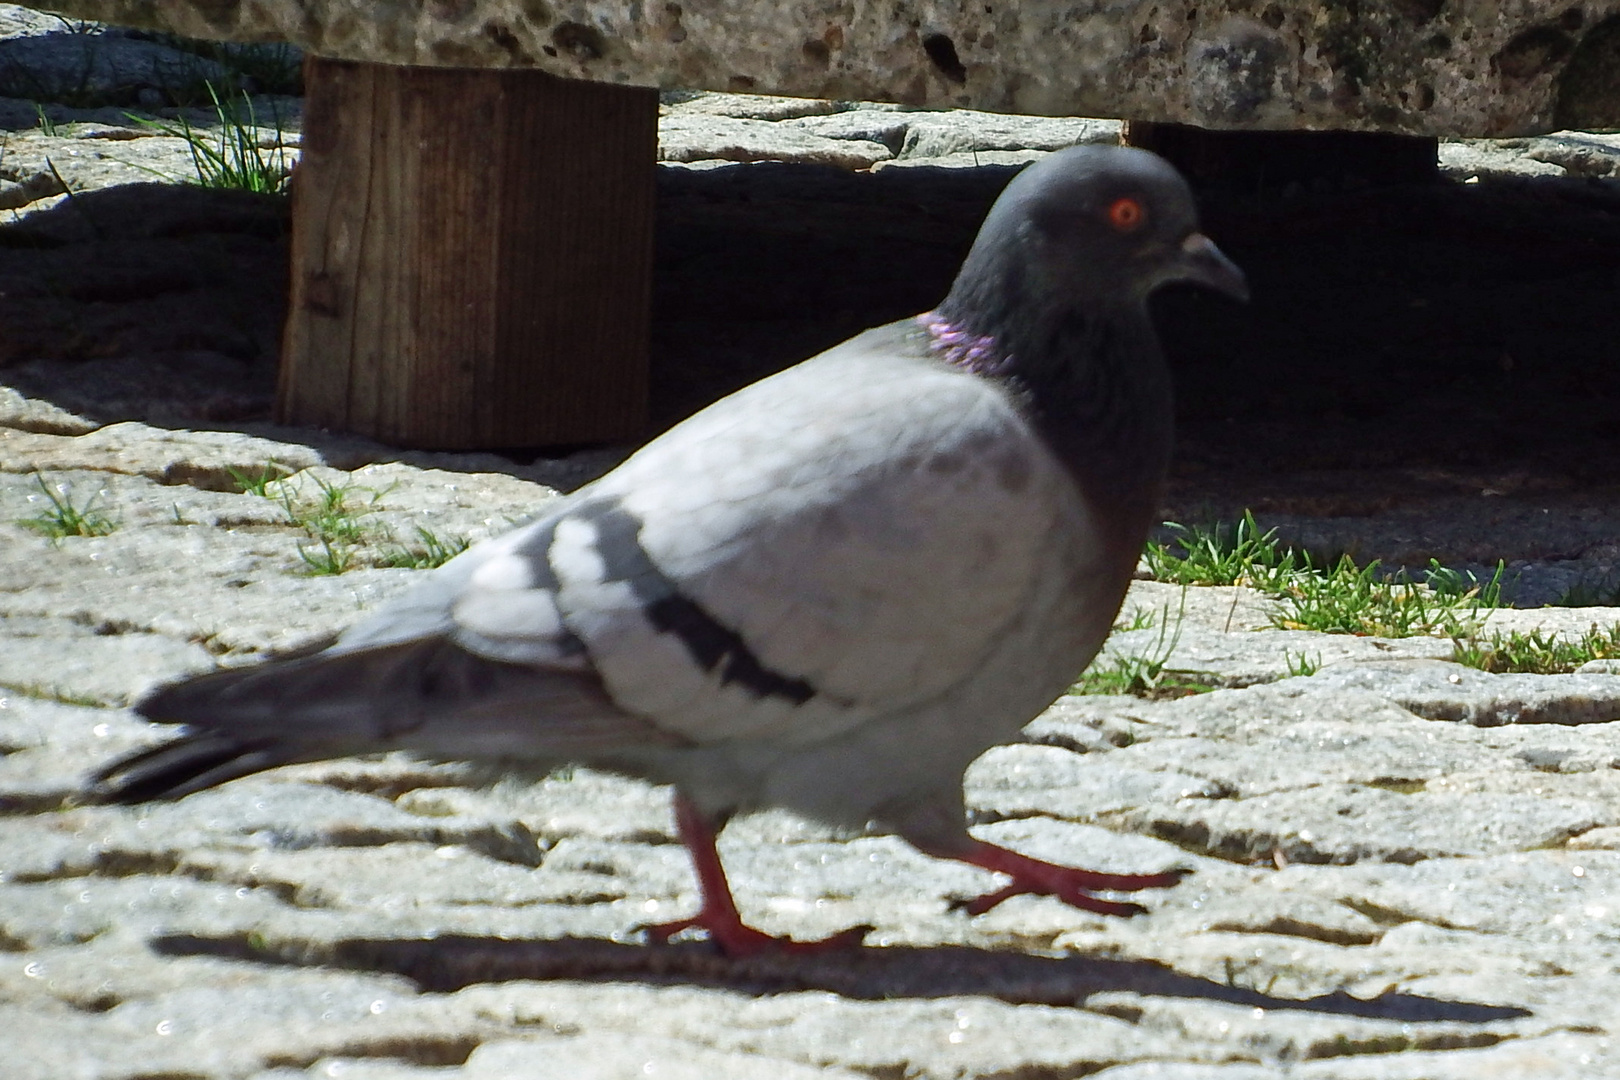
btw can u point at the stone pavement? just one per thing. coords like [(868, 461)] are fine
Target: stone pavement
[(1401, 868)]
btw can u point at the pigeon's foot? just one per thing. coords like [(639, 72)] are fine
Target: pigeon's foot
[(718, 915), (1070, 884), (737, 939)]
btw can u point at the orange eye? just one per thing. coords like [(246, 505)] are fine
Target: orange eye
[(1126, 214)]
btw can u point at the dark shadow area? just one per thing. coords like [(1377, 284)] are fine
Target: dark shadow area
[(449, 963), (1456, 329), (1440, 325), (759, 266), (1443, 351), (1444, 327), (154, 302)]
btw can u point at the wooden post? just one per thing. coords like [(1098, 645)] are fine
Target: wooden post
[(1272, 159), (471, 257)]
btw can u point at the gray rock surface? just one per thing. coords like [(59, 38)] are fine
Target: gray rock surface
[(700, 137), (1401, 868), (83, 79), (1420, 67), (66, 62)]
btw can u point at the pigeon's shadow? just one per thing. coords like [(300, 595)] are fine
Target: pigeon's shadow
[(449, 963)]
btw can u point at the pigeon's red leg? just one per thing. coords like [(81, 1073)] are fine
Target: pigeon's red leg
[(1069, 884), (718, 914)]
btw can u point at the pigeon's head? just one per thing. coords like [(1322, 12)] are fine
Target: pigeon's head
[(1088, 229)]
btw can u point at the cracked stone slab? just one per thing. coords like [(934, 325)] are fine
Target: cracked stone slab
[(84, 667), (1336, 768), (1469, 160), (1424, 68), (21, 413), (174, 1026), (938, 135), (1457, 693), (1243, 659), (946, 1037), (1350, 824), (704, 137), (57, 63)]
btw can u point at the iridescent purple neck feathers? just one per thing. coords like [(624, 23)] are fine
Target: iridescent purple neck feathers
[(978, 353)]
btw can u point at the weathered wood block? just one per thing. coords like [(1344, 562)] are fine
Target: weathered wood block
[(471, 257)]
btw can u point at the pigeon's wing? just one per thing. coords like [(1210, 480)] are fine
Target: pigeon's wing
[(840, 541)]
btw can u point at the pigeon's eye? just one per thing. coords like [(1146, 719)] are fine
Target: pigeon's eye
[(1126, 214)]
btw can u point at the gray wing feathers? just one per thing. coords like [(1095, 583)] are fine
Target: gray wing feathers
[(429, 696), (839, 541), (427, 608)]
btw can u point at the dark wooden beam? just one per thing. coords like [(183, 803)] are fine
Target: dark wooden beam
[(472, 257)]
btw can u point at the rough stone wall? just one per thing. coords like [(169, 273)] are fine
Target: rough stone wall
[(1437, 67)]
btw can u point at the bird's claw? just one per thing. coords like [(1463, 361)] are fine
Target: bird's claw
[(978, 905), (1072, 885)]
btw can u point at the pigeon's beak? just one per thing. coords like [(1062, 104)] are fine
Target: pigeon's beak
[(1203, 263)]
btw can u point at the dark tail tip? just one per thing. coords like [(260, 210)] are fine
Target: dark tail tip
[(173, 769)]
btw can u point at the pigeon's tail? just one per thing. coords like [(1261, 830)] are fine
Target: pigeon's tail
[(246, 720), (427, 695), (182, 766)]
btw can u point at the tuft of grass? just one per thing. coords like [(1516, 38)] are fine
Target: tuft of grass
[(430, 551), (1226, 553), (1347, 599), (332, 517), (272, 67), (1143, 677), (1464, 585), (1537, 653), (233, 154), (1303, 664), (259, 480), (1336, 598), (332, 521), (1148, 674), (1141, 619), (64, 517), (327, 557)]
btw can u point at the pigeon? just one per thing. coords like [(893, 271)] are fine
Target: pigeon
[(826, 593)]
